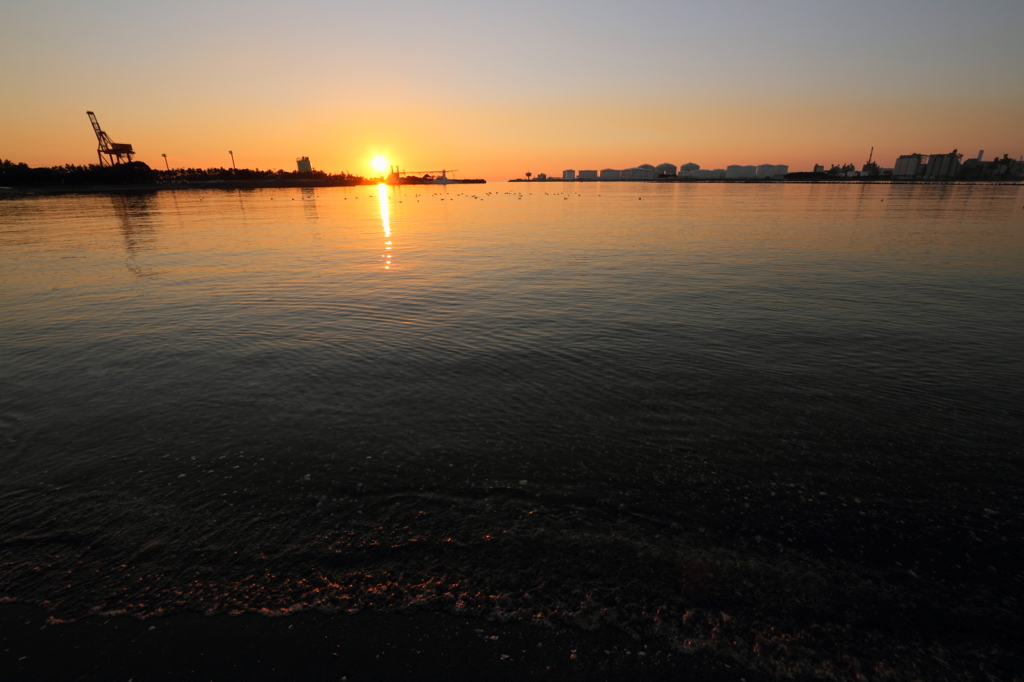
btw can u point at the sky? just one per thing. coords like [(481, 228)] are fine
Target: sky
[(495, 89)]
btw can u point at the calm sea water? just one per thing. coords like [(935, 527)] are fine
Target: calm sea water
[(782, 423)]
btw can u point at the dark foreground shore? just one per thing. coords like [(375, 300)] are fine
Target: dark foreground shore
[(318, 646)]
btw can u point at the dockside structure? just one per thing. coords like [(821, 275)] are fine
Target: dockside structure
[(927, 166), (687, 171)]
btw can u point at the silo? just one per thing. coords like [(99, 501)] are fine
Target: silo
[(942, 166), (908, 166)]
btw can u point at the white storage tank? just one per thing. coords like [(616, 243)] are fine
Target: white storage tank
[(568, 175), (644, 172), (611, 174), (740, 172), (767, 171), (665, 169)]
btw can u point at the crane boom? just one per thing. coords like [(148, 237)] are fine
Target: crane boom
[(95, 124)]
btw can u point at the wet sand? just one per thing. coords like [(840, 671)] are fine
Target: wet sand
[(318, 646)]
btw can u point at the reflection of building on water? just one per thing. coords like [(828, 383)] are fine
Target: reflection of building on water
[(385, 220), (309, 203), (133, 212)]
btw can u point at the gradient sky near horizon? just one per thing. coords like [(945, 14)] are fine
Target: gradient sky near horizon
[(496, 89)]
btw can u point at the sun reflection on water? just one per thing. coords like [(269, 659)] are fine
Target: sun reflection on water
[(385, 220)]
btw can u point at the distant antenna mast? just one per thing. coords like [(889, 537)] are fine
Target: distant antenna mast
[(116, 152)]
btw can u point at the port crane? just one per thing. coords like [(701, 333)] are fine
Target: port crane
[(115, 151), (870, 168), (430, 177)]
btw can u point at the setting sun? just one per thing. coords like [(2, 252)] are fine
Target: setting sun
[(379, 163)]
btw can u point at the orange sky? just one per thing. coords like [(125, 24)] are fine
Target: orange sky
[(498, 90)]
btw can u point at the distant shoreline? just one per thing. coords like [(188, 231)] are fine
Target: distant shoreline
[(157, 186), (23, 190), (35, 190)]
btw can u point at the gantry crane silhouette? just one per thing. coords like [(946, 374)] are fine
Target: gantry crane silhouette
[(115, 151), (442, 179)]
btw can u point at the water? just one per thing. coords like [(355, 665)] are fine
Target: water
[(780, 423)]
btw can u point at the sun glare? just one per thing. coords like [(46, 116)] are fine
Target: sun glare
[(379, 163)]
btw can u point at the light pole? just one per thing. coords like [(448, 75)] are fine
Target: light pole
[(232, 160), (165, 162)]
